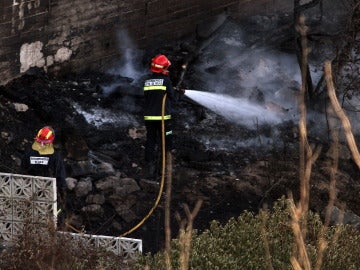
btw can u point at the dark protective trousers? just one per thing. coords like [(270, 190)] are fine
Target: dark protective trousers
[(153, 139)]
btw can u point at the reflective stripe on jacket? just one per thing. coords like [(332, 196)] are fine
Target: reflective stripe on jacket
[(146, 88), (166, 117), (155, 87)]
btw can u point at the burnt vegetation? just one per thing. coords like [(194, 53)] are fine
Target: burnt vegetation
[(270, 206)]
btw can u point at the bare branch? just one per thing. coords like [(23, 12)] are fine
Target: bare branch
[(340, 113)]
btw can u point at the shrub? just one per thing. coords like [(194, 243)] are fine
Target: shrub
[(262, 241)]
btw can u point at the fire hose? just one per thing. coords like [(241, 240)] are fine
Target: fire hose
[(162, 173)]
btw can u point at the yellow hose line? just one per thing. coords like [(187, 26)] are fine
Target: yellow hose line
[(162, 173)]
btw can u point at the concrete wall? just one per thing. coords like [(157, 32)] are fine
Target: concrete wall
[(63, 35)]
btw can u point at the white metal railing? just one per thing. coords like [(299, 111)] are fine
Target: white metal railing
[(24, 196), (126, 247)]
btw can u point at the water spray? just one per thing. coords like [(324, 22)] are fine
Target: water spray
[(239, 110)]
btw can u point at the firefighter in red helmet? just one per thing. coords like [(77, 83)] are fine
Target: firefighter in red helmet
[(42, 159), (156, 87), (160, 64)]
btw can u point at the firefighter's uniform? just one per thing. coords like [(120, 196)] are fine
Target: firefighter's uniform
[(155, 87)]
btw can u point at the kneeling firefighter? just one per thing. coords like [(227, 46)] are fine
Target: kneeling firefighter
[(157, 87)]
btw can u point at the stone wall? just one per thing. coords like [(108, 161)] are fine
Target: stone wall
[(64, 35)]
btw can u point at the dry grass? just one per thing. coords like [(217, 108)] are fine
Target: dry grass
[(43, 247)]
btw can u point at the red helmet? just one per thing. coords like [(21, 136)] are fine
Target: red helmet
[(46, 135), (160, 64)]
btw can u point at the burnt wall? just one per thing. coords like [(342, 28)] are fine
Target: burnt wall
[(65, 35)]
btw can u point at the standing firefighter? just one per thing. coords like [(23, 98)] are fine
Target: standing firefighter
[(42, 160), (157, 89)]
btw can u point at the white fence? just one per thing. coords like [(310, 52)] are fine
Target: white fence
[(125, 247), (24, 197)]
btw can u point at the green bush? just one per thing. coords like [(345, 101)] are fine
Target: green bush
[(241, 244)]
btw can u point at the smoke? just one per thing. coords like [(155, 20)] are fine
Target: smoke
[(121, 91), (249, 84), (129, 65), (242, 71)]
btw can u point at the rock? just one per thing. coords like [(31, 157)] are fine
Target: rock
[(122, 205), (148, 185), (137, 133), (83, 187), (126, 186), (7, 136), (71, 183), (108, 183), (105, 167), (80, 168), (20, 107), (129, 216), (95, 199)]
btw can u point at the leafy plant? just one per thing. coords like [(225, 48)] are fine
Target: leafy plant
[(242, 243)]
